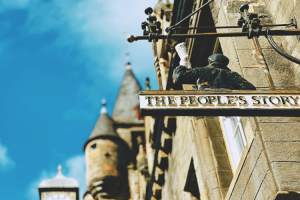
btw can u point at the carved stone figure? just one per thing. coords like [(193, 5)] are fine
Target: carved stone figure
[(215, 76)]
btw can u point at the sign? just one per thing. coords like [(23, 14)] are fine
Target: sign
[(220, 103)]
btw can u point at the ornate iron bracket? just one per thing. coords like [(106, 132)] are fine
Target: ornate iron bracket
[(250, 24)]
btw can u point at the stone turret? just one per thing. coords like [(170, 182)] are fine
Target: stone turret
[(159, 7), (106, 165), (129, 124)]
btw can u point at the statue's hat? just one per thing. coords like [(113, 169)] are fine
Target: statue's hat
[(219, 59)]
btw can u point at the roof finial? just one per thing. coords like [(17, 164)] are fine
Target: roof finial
[(127, 56), (103, 109), (147, 84), (59, 168), (128, 65)]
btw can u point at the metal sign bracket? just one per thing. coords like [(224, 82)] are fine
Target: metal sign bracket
[(249, 23)]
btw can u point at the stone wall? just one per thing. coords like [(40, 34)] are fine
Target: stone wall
[(271, 161), (270, 164), (106, 158), (197, 141)]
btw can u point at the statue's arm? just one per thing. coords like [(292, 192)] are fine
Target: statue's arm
[(247, 86), (244, 84), (182, 76)]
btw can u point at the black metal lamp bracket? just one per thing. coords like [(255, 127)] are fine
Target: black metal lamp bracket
[(248, 22)]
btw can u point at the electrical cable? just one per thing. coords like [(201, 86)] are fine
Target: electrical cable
[(279, 50), (171, 27)]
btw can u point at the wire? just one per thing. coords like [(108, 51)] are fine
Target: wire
[(279, 50), (171, 27)]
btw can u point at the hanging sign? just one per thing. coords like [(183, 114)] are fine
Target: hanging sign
[(220, 103)]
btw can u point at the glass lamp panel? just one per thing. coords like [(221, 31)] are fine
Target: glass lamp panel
[(67, 198), (58, 196)]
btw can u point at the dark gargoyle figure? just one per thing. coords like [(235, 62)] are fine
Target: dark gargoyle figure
[(215, 76)]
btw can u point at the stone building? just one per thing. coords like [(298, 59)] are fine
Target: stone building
[(196, 157), (114, 151), (228, 157)]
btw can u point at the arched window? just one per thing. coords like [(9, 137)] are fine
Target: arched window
[(94, 146)]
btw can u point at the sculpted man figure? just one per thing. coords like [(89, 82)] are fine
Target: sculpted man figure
[(212, 77)]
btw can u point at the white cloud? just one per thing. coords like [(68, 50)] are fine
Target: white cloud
[(32, 191), (5, 161), (95, 29), (89, 23), (74, 167)]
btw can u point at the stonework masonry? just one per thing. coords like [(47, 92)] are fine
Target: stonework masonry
[(269, 167), (195, 158)]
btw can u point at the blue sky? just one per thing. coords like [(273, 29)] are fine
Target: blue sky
[(58, 60)]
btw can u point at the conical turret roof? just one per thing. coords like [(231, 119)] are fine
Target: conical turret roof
[(104, 127), (125, 110)]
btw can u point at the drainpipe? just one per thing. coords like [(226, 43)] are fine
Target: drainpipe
[(263, 63)]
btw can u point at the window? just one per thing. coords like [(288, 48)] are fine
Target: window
[(235, 138), (94, 146)]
